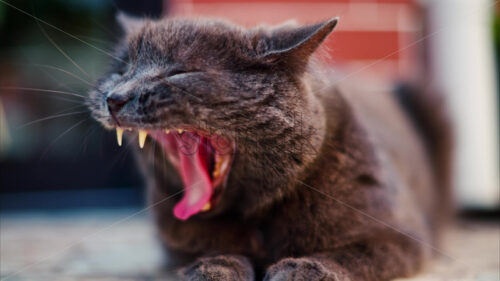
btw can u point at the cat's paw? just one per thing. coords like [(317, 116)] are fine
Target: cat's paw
[(220, 268), (300, 269)]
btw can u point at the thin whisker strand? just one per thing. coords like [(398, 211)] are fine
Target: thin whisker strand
[(63, 134), (61, 50), (60, 30), (51, 117), (97, 40), (64, 71), (44, 90)]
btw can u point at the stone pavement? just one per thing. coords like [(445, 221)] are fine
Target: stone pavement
[(108, 245)]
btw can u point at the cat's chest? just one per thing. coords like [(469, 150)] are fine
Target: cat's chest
[(263, 241)]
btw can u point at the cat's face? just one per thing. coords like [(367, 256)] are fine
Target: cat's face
[(228, 106)]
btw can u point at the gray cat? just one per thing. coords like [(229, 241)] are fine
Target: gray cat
[(259, 166)]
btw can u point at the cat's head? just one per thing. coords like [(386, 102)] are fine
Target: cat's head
[(231, 108)]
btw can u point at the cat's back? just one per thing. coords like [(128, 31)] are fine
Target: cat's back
[(403, 161)]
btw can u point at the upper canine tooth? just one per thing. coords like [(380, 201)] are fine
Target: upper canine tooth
[(119, 136), (167, 131), (180, 131), (142, 138)]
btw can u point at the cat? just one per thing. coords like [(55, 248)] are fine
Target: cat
[(260, 165)]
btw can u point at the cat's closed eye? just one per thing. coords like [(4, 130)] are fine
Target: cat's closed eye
[(179, 71), (176, 71)]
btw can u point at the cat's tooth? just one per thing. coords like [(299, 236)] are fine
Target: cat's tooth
[(217, 170), (180, 131), (142, 138), (206, 207), (216, 174), (167, 131), (119, 136)]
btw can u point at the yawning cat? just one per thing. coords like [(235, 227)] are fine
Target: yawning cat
[(260, 166)]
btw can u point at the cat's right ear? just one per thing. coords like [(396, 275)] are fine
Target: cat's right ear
[(128, 23), (292, 45)]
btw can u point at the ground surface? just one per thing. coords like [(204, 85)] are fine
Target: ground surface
[(120, 245)]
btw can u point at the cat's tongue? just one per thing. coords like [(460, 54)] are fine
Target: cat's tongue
[(195, 176)]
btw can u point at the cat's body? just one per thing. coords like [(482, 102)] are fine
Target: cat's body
[(329, 180)]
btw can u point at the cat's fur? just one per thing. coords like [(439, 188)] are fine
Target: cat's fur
[(330, 181)]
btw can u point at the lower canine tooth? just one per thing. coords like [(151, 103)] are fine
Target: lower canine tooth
[(218, 164), (216, 173), (119, 136), (142, 138), (206, 207)]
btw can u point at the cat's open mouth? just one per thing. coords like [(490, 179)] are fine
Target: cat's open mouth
[(202, 160)]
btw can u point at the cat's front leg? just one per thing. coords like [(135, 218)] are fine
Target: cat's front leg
[(305, 268), (360, 262), (220, 268)]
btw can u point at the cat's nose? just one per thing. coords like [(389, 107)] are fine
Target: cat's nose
[(117, 101)]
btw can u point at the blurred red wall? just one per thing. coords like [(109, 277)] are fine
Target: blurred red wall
[(374, 36)]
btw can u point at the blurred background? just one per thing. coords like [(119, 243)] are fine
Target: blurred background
[(52, 155), (62, 175)]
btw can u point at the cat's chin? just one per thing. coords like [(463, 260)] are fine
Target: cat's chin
[(202, 160)]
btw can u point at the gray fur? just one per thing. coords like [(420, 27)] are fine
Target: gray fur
[(329, 181)]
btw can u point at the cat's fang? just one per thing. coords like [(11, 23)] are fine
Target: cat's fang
[(206, 207), (217, 170), (167, 131), (180, 131), (119, 136), (142, 138)]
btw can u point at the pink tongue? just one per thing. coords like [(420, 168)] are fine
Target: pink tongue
[(197, 183)]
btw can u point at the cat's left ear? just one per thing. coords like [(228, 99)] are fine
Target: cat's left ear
[(129, 23), (293, 45)]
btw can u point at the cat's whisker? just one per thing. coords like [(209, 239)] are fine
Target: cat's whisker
[(97, 40), (58, 82), (63, 71), (46, 94), (71, 108), (80, 102), (62, 31), (52, 117), (63, 134), (61, 50), (45, 90)]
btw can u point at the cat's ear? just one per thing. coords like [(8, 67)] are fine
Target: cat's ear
[(293, 45), (129, 23)]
